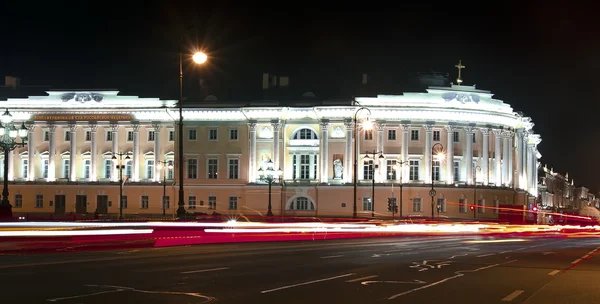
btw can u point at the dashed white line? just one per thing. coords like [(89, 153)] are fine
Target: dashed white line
[(553, 272), (307, 283), (331, 256), (485, 255), (513, 295), (360, 279), (507, 251), (205, 270), (576, 261)]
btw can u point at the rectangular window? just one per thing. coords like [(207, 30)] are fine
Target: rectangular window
[(368, 169), (129, 169), (213, 134), (367, 204), (391, 169), (212, 202), (234, 167), (441, 204), (413, 174), (39, 201), (417, 205), (108, 166), (456, 171), (151, 135), (462, 205), (368, 134), (88, 135), (436, 170), (67, 135), (46, 135), (496, 206), (170, 169), (166, 202), (192, 168), (414, 135), (474, 141), (233, 203), (18, 200), (391, 134), (24, 168), (305, 166), (455, 136), (87, 164), (144, 204), (66, 168), (129, 135), (171, 135), (481, 206), (233, 134), (436, 135), (213, 168), (45, 169), (124, 201), (109, 135), (191, 202), (150, 169), (192, 134)]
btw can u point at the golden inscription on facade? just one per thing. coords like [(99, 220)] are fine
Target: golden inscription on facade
[(83, 117)]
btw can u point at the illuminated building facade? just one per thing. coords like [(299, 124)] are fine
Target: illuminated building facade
[(491, 155)]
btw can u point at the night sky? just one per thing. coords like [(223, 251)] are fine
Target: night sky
[(541, 58)]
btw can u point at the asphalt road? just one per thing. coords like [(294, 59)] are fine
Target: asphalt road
[(385, 270)]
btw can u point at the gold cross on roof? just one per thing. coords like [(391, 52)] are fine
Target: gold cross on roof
[(460, 67)]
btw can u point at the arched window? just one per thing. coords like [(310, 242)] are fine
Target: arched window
[(305, 133), (302, 203)]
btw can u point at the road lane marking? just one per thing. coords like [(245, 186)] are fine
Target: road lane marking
[(309, 282), (585, 256), (459, 274), (204, 270), (553, 272), (331, 256), (395, 282), (513, 295), (485, 255), (547, 253), (363, 278), (507, 251), (576, 261)]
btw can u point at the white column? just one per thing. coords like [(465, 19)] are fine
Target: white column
[(276, 137), (525, 161), (497, 157), (11, 165), (506, 151), (530, 165), (511, 151), (468, 154), (73, 153), (136, 152), (348, 161), (115, 150), (485, 161), (519, 156), (157, 152), (324, 163), (30, 153), (52, 154), (381, 171), (427, 153), (450, 154), (406, 167), (252, 162)]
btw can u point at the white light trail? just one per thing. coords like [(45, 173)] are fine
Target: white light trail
[(75, 232)]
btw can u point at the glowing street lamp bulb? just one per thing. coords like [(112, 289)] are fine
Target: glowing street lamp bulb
[(200, 57), (441, 156), (368, 125)]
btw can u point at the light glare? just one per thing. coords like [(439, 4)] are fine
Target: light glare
[(200, 57)]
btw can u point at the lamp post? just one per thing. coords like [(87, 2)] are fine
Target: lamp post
[(8, 142), (375, 166), (476, 205), (120, 167), (198, 58), (269, 175), (440, 157), (399, 166), (355, 180), (163, 164)]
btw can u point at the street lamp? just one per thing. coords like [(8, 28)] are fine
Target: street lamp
[(440, 156), (169, 166), (398, 167), (269, 175), (198, 58), (120, 167), (375, 166), (476, 205), (368, 125), (8, 142)]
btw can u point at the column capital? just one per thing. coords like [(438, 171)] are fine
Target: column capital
[(114, 127), (136, 127), (428, 128), (156, 127), (30, 127), (252, 126), (379, 126), (497, 132), (324, 124), (469, 130), (51, 128), (72, 128), (451, 128), (276, 125), (485, 131), (348, 123), (93, 127), (405, 127), (507, 134)]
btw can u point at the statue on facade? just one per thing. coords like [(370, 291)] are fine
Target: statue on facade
[(337, 169)]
